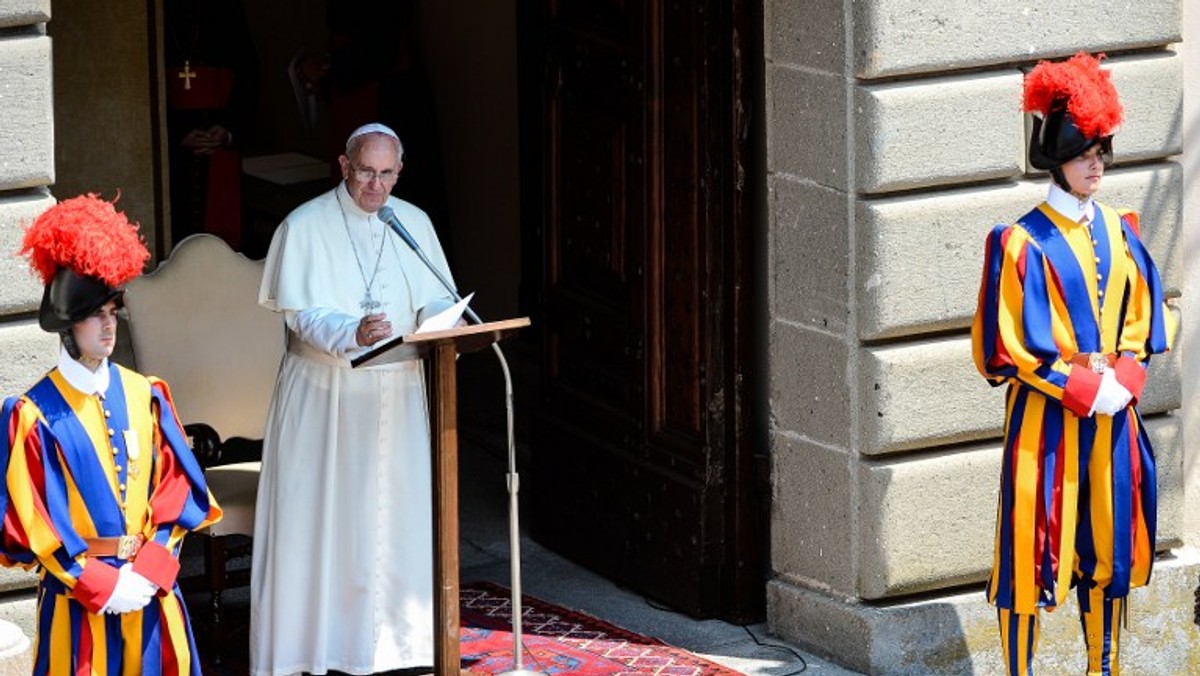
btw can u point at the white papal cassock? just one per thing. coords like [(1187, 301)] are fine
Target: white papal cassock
[(342, 572)]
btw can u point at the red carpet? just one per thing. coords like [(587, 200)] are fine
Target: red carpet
[(556, 640), (561, 641)]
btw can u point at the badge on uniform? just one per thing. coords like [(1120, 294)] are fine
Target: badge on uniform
[(132, 451)]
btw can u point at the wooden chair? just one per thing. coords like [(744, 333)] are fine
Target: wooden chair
[(195, 322)]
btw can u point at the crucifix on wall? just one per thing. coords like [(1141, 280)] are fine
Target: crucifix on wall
[(187, 74)]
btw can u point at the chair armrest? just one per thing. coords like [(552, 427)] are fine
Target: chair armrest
[(206, 444), (240, 449)]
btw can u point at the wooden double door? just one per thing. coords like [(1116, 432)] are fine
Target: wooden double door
[(642, 162)]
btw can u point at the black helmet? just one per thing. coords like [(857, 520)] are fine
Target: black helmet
[(1075, 106), (70, 297), (84, 251), (1056, 140)]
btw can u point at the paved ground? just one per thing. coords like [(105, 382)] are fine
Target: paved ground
[(485, 556)]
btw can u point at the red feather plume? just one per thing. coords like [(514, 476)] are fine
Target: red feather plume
[(88, 235), (1082, 87)]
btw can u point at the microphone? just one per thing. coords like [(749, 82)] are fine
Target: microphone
[(387, 215), (513, 480)]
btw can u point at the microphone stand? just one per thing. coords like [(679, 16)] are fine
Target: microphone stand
[(512, 478)]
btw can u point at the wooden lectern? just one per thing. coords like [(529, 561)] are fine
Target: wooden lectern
[(442, 348)]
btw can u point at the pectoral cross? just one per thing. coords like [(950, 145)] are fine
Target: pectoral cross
[(187, 74), (369, 304)]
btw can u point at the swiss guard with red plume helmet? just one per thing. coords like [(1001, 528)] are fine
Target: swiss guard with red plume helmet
[(1075, 106), (1071, 309), (85, 251), (100, 484)]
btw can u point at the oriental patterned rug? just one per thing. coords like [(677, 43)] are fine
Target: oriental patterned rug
[(557, 641), (561, 641)]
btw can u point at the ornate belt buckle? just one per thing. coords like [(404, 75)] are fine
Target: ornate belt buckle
[(127, 546), (1098, 362)]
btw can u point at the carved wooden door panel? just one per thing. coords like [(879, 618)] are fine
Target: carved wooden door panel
[(642, 467)]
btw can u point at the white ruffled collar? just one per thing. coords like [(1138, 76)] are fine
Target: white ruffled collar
[(1071, 206), (79, 377)]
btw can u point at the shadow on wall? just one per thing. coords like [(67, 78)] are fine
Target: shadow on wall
[(1165, 244), (936, 641), (1196, 609)]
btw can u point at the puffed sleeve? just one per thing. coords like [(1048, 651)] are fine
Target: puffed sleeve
[(37, 527), (1021, 322), (1149, 326), (179, 502)]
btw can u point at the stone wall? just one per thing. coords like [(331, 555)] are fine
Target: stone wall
[(1190, 249), (26, 172), (895, 142)]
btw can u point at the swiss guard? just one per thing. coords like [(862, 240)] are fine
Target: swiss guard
[(1070, 310), (100, 485)]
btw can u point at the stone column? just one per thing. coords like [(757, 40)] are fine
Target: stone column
[(26, 169), (895, 142)]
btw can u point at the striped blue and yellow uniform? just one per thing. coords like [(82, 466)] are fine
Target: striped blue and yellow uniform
[(81, 466), (1077, 491)]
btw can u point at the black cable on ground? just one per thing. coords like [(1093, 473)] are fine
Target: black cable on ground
[(746, 628), (782, 648)]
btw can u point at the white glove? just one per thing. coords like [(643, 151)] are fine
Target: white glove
[(1112, 397), (132, 592)]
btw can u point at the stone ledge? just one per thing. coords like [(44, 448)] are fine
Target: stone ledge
[(1151, 91), (812, 106), (968, 128), (928, 393), (29, 353), (903, 505), (18, 615), (15, 13), (14, 579), (942, 234), (938, 131), (16, 651), (20, 290), (955, 634), (27, 108), (909, 37)]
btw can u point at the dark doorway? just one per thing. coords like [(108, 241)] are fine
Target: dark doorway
[(643, 186), (601, 171), (441, 72)]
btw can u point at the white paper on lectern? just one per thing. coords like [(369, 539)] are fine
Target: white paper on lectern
[(446, 319)]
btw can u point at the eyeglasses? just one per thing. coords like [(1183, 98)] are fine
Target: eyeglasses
[(364, 175)]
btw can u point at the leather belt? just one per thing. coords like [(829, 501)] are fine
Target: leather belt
[(124, 547), (1096, 361)]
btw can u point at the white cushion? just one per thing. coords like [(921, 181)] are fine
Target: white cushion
[(235, 488), (196, 323)]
